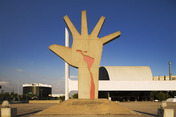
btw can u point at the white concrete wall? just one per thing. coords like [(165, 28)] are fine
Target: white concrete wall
[(130, 85)]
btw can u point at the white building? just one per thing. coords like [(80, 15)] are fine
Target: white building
[(128, 80)]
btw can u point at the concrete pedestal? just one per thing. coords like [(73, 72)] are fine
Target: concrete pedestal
[(8, 112), (86, 107), (165, 112)]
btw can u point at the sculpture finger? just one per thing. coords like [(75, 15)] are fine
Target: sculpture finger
[(98, 27), (64, 52), (110, 37), (71, 27), (84, 29)]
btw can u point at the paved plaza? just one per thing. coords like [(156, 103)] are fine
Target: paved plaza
[(146, 109)]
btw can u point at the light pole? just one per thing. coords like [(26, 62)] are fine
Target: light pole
[(18, 90), (170, 77)]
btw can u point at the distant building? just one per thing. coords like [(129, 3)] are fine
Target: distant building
[(162, 78), (38, 90)]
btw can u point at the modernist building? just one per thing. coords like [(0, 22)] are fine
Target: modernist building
[(125, 73), (134, 74), (128, 83), (38, 90)]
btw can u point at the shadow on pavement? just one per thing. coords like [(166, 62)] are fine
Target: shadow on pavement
[(146, 113), (29, 113)]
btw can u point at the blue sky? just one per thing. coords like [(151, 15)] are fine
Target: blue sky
[(29, 27)]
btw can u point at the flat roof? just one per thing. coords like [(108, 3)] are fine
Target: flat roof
[(36, 85)]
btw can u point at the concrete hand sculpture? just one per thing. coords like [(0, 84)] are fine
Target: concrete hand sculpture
[(85, 54)]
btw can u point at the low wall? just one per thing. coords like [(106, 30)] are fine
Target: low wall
[(43, 101)]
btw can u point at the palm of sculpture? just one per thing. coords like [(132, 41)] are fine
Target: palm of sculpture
[(85, 54)]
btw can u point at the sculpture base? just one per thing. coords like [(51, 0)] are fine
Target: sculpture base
[(165, 112), (86, 107), (8, 112)]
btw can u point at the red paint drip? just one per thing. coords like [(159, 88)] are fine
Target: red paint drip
[(89, 61)]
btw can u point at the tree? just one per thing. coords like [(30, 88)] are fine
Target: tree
[(62, 98), (162, 96), (153, 95), (75, 96)]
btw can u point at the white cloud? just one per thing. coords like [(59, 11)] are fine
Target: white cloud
[(8, 86), (4, 83), (19, 70)]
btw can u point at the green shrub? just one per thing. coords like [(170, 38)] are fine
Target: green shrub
[(75, 96), (162, 96)]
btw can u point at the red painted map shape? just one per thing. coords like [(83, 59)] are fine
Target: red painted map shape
[(89, 61)]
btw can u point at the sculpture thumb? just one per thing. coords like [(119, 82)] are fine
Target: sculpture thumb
[(64, 52)]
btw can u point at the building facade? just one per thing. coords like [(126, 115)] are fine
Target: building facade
[(134, 83), (164, 78), (37, 90), (132, 77)]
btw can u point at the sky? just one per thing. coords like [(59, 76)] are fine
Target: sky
[(29, 27)]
